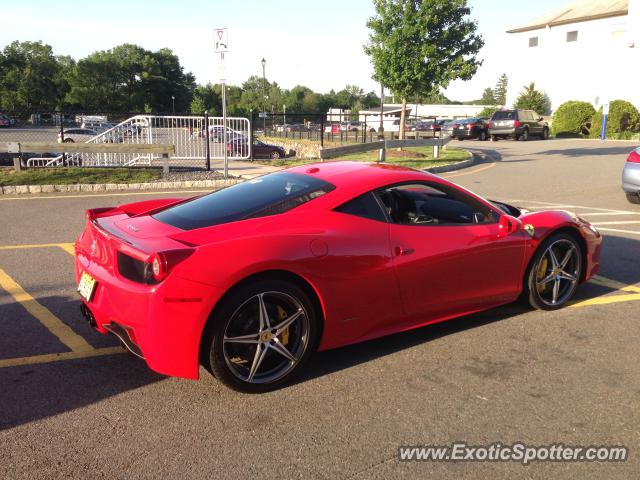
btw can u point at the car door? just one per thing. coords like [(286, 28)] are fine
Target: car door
[(448, 252)]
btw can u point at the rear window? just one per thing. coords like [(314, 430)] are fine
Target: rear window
[(268, 195), (505, 115)]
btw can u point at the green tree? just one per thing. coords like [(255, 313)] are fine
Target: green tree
[(500, 91), (488, 97), (419, 46), (29, 76), (204, 98), (532, 99)]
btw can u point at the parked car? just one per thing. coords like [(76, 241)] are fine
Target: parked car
[(447, 128), (80, 135), (474, 127), (260, 149), (431, 126), (350, 126), (98, 126), (265, 272), (517, 124), (77, 135), (6, 120), (631, 177), (333, 128)]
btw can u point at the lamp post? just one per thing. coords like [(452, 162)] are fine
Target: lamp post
[(264, 97), (381, 128), (284, 107), (173, 104)]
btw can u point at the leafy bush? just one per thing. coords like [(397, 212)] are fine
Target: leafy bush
[(623, 119), (572, 118), (487, 112)]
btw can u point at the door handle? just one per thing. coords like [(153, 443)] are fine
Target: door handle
[(400, 250)]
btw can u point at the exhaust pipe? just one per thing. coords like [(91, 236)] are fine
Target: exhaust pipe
[(124, 337), (88, 316)]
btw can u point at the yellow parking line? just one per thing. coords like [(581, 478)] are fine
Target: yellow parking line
[(65, 334), (55, 357), (607, 300), (486, 167), (67, 247), (614, 284)]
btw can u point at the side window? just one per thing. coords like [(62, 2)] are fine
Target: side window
[(433, 205), (365, 206)]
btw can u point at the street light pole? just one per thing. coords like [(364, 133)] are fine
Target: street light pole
[(264, 97), (284, 107), (173, 104)]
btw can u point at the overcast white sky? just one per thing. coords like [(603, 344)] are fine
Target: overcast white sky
[(317, 44)]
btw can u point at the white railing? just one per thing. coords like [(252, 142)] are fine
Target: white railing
[(187, 133)]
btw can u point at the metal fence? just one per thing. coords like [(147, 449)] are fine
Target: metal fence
[(339, 128), (199, 140)]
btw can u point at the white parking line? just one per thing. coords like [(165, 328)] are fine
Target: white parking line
[(628, 222), (634, 232)]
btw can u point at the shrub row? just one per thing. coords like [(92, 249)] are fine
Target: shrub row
[(576, 118)]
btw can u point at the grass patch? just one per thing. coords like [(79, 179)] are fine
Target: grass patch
[(414, 157), (69, 176)]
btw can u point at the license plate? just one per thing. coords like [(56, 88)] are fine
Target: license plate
[(87, 286)]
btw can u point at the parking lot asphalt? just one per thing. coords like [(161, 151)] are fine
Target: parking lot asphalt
[(73, 405)]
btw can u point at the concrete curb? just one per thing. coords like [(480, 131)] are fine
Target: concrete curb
[(452, 167), (113, 187)]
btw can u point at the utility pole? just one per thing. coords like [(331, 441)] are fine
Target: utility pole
[(264, 97), (222, 46)]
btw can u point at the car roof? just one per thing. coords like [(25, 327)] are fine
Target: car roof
[(354, 177)]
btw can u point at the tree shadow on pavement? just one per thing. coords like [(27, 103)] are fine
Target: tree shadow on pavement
[(590, 152)]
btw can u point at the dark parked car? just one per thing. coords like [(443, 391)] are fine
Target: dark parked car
[(474, 127), (517, 124), (239, 147), (6, 121)]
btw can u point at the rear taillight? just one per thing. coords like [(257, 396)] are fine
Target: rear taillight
[(516, 123), (490, 126), (634, 157), (163, 262), (472, 125), (155, 269)]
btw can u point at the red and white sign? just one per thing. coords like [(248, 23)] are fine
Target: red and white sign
[(221, 39)]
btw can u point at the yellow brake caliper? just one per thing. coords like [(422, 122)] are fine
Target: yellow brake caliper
[(284, 337), (540, 274)]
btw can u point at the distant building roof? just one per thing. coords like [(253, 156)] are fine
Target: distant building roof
[(578, 11), (387, 109)]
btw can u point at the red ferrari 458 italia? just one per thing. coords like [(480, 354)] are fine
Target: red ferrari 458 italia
[(251, 279)]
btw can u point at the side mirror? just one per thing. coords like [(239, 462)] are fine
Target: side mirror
[(507, 225), (540, 119)]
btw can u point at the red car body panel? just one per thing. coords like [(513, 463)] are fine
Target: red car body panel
[(365, 285)]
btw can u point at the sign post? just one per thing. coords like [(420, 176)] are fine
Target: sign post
[(222, 46), (605, 114)]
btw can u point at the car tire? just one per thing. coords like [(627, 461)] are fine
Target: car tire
[(545, 134), (634, 198), (274, 155), (256, 362), (547, 285), (524, 136), (483, 136), (68, 140)]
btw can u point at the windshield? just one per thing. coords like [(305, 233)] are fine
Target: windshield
[(505, 115), (268, 195)]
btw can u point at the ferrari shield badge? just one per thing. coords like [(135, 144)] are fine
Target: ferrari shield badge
[(530, 229)]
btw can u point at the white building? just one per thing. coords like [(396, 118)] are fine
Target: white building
[(588, 50), (392, 111)]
